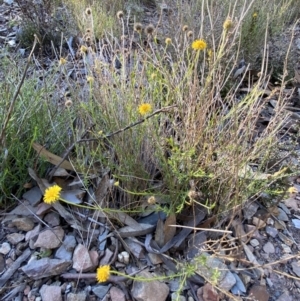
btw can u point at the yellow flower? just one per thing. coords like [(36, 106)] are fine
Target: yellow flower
[(89, 79), (254, 16), (293, 190), (145, 108), (83, 49), (227, 24), (103, 273), (62, 61), (52, 194), (168, 41), (199, 45)]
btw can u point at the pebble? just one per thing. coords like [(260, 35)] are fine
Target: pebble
[(65, 251), (117, 294), (271, 231), (286, 249), (269, 247), (101, 290), (33, 196), (296, 223), (50, 293), (81, 259), (296, 267), (77, 297), (50, 239), (254, 242), (23, 223), (282, 216), (15, 238), (5, 248), (258, 222)]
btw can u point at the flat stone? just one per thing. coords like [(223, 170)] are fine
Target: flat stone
[(282, 216), (23, 223), (146, 290), (210, 293), (239, 287), (101, 290), (258, 222), (116, 294), (271, 231), (2, 263), (50, 239), (155, 258), (195, 244), (285, 239), (286, 249), (296, 223), (15, 238), (94, 255), (296, 267), (135, 248), (81, 259), (176, 297), (285, 297), (250, 209), (269, 248), (77, 297), (43, 208), (291, 203), (284, 208), (65, 251), (45, 267), (5, 248), (50, 293), (52, 219), (107, 257), (259, 292), (33, 196), (23, 210), (254, 242)]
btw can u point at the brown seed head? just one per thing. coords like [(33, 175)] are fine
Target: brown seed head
[(88, 11), (185, 28), (190, 34), (149, 29), (138, 27), (120, 14)]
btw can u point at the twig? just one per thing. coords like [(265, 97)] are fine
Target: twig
[(12, 104)]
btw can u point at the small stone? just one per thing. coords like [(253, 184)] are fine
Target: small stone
[(33, 196), (77, 297), (135, 248), (269, 282), (50, 239), (271, 231), (52, 219), (252, 231), (155, 258), (259, 292), (286, 249), (285, 297), (239, 286), (296, 267), (250, 209), (65, 251), (15, 238), (282, 216), (254, 242), (258, 222), (176, 297), (296, 223), (101, 290), (285, 239), (23, 223), (145, 290), (269, 248), (107, 257), (43, 208), (291, 203), (94, 255), (50, 293), (33, 233), (116, 294), (279, 225), (284, 208), (5, 248), (81, 259), (270, 221)]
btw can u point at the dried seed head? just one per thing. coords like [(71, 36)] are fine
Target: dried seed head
[(88, 31), (88, 39), (62, 61), (68, 103), (138, 27), (168, 41), (120, 14), (83, 49), (151, 200), (227, 24), (185, 28), (88, 11), (190, 34), (149, 29)]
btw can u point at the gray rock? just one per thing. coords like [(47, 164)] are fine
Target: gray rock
[(23, 223), (116, 294), (282, 216), (77, 297), (145, 290), (286, 249), (284, 208), (285, 239), (101, 290), (296, 267), (23, 210), (285, 297), (50, 293), (195, 243), (52, 219), (33, 196), (250, 209), (5, 248), (269, 248), (135, 248), (296, 223), (271, 231), (259, 292), (65, 251), (33, 233), (50, 239), (45, 267), (176, 297), (226, 280), (239, 286), (15, 238), (254, 242), (81, 259)]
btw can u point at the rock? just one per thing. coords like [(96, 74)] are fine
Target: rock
[(239, 287), (52, 219), (15, 238), (195, 243), (94, 255), (269, 248), (23, 223), (176, 297), (250, 209), (45, 267), (259, 293), (50, 293), (107, 257), (43, 208), (258, 222), (77, 297), (284, 208), (285, 297), (286, 249), (285, 239), (23, 210), (81, 259), (252, 231), (116, 294), (225, 280), (101, 290), (50, 239), (296, 223), (282, 216), (210, 293), (33, 196), (5, 248), (155, 258), (145, 290), (65, 251), (33, 233), (254, 242), (291, 203), (135, 248), (2, 263), (271, 231), (296, 267)]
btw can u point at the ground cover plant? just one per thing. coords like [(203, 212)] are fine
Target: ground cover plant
[(160, 110)]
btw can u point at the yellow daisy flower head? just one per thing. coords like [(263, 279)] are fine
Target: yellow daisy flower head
[(199, 44), (168, 41), (293, 190), (90, 79), (255, 14), (62, 61), (145, 108), (83, 49), (103, 273), (52, 194)]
